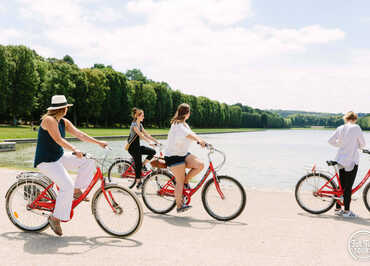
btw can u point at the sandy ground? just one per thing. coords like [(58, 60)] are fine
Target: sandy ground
[(273, 230)]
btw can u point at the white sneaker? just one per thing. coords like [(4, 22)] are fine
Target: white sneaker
[(349, 214), (338, 212)]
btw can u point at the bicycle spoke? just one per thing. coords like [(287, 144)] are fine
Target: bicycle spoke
[(22, 196), (127, 217), (308, 195)]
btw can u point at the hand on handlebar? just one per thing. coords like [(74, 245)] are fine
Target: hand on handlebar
[(202, 143), (78, 153), (103, 144)]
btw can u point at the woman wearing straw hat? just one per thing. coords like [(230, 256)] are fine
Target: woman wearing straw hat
[(51, 160)]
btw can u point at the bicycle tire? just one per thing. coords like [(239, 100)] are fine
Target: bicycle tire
[(134, 202), (226, 191), (366, 196), (148, 194), (130, 182), (12, 214), (299, 200)]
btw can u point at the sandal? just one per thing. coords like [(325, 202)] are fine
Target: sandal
[(55, 226)]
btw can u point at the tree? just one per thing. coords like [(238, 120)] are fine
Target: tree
[(163, 104), (68, 59), (135, 74), (4, 80), (23, 81), (96, 92)]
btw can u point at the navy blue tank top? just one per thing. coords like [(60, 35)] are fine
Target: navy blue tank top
[(47, 150)]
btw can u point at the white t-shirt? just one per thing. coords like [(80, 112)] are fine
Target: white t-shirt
[(349, 139), (177, 143)]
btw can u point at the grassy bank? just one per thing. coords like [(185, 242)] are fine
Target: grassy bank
[(26, 132)]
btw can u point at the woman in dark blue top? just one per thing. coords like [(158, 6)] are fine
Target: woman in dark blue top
[(51, 160)]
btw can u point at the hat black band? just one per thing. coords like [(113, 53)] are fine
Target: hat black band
[(58, 104)]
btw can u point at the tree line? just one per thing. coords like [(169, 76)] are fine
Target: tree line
[(308, 119), (103, 97)]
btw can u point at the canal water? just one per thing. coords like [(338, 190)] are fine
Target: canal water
[(265, 160)]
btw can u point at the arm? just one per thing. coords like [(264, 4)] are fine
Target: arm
[(70, 128), (140, 134), (361, 140), (333, 140), (149, 136), (194, 137)]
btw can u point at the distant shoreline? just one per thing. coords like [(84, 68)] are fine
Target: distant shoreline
[(153, 132)]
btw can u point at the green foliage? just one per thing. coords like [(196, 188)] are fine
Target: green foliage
[(22, 81), (103, 96), (364, 122), (68, 59)]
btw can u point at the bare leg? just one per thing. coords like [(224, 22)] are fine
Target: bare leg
[(195, 165), (179, 172)]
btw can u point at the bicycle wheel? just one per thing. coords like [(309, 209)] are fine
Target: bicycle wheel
[(366, 196), (118, 168), (233, 203), (21, 194), (127, 217), (154, 200), (307, 197)]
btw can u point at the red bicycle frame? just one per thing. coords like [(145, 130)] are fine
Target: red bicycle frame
[(43, 202), (130, 172), (338, 192), (169, 190)]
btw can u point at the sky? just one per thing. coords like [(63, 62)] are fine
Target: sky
[(310, 55)]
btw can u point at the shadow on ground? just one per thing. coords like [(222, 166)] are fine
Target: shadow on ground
[(357, 220), (188, 221), (42, 243)]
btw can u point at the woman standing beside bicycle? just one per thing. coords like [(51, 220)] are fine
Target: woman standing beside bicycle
[(138, 132), (54, 163), (349, 139), (177, 154)]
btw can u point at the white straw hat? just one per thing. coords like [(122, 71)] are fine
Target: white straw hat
[(58, 102)]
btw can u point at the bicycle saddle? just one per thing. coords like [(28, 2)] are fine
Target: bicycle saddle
[(331, 163)]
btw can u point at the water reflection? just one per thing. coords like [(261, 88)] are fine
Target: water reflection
[(272, 159)]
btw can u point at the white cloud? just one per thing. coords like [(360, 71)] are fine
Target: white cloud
[(219, 12), (200, 47), (9, 35)]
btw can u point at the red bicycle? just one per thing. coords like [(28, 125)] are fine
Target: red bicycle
[(223, 197), (124, 168), (317, 193), (31, 200)]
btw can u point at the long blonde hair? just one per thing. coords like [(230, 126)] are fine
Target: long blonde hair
[(57, 114), (182, 110)]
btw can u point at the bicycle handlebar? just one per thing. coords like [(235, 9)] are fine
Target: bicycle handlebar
[(212, 149)]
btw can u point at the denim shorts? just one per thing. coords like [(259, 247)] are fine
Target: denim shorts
[(175, 160)]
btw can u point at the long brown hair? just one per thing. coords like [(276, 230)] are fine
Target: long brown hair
[(135, 112), (180, 114), (57, 113)]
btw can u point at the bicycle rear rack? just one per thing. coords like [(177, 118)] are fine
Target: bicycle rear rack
[(314, 169), (34, 175)]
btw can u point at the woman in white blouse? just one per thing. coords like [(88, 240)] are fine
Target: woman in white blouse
[(177, 153), (349, 139)]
